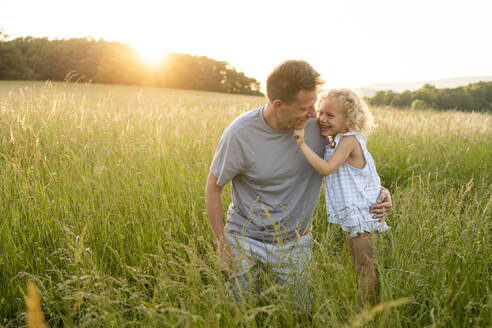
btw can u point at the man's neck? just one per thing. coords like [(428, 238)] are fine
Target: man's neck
[(271, 119)]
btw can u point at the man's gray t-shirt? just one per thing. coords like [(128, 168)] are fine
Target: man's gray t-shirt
[(274, 188)]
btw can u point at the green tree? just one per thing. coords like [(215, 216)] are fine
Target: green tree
[(419, 104), (378, 99), (3, 36), (389, 97), (85, 59), (403, 99), (427, 93), (12, 63), (473, 97)]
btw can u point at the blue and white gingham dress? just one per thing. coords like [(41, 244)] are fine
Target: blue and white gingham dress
[(349, 192)]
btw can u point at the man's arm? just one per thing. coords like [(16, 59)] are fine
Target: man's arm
[(383, 206), (213, 199)]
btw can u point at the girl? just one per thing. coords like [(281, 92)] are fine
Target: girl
[(352, 184)]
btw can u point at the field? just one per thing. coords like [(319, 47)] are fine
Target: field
[(102, 206)]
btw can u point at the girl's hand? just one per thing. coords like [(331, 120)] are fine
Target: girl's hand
[(299, 136)]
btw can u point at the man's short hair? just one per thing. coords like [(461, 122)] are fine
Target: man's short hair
[(290, 77)]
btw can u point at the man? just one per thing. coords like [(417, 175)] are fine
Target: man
[(274, 188)]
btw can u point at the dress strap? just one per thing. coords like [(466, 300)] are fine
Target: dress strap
[(349, 133)]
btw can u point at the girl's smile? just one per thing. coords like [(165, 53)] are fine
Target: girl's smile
[(331, 118)]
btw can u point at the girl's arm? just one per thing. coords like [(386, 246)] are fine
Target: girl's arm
[(325, 168)]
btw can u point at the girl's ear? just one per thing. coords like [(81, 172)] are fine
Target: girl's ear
[(348, 126)]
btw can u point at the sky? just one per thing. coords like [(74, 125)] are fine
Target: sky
[(351, 43)]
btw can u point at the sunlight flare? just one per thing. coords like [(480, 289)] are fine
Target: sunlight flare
[(152, 53)]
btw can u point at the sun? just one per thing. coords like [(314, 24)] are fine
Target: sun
[(153, 54)]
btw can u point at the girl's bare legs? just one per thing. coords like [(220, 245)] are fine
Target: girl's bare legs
[(363, 258)]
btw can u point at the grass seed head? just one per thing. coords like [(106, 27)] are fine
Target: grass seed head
[(34, 315)]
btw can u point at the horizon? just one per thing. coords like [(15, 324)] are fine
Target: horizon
[(381, 42)]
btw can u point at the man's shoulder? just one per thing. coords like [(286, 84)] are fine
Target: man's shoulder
[(312, 128), (241, 123), (312, 123), (313, 136)]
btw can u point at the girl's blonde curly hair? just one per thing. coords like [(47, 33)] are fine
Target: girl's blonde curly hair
[(357, 115)]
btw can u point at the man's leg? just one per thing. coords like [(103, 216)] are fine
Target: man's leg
[(248, 254), (292, 269)]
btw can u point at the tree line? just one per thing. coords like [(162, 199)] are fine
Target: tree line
[(473, 97), (100, 61)]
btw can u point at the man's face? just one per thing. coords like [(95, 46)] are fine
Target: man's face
[(296, 114), (331, 118)]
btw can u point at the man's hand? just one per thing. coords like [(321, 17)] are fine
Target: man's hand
[(213, 199), (383, 206), (299, 136), (228, 264)]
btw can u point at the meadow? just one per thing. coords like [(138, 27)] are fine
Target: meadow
[(102, 207)]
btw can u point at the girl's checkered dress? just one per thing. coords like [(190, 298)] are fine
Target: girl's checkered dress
[(349, 192)]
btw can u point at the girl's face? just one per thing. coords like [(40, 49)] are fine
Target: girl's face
[(331, 118)]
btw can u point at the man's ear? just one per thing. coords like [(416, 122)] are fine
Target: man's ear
[(277, 105)]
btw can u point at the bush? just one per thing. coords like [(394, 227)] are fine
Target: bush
[(419, 104)]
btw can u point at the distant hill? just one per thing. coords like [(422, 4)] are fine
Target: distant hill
[(371, 89)]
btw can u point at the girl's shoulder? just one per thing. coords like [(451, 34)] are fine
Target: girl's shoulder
[(359, 136)]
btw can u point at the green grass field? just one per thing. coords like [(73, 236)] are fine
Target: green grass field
[(102, 206)]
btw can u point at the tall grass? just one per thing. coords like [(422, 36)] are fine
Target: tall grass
[(102, 206)]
